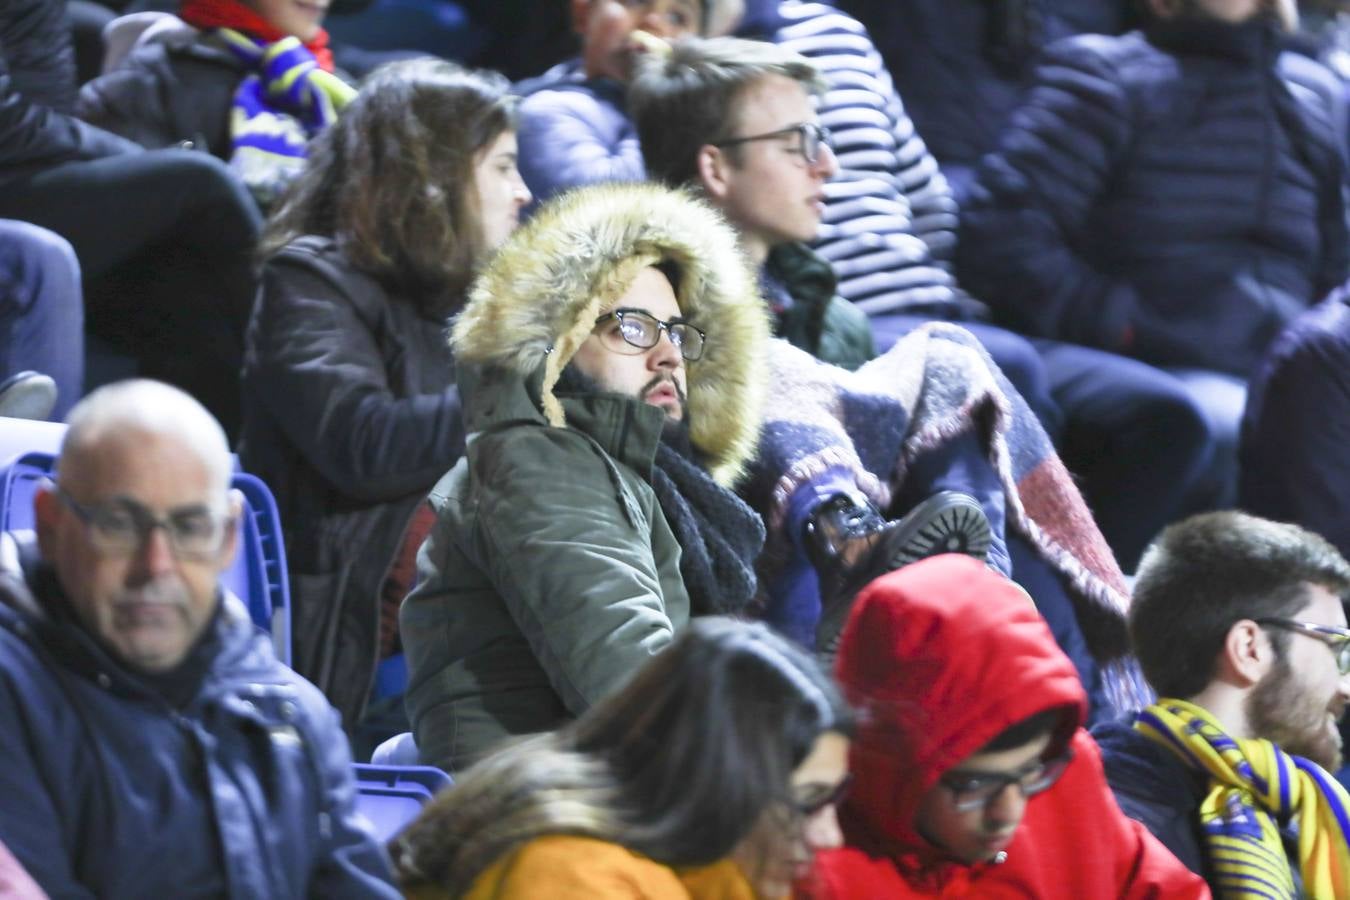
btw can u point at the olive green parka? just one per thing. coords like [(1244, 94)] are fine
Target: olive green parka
[(551, 573)]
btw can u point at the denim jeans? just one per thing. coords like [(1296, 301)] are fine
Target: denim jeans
[(41, 309)]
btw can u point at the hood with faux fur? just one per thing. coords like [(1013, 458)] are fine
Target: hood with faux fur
[(538, 299)]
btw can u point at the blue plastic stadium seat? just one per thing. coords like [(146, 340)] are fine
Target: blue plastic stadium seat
[(23, 435), (392, 796), (19, 479), (258, 573)]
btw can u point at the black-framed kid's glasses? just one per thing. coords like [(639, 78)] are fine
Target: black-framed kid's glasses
[(972, 792)]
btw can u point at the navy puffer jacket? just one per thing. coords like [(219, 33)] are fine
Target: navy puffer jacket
[(1169, 195), (1293, 464), (110, 791), (962, 65)]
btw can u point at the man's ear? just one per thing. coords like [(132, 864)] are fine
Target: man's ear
[(46, 513), (230, 545), (1247, 654), (712, 165), (581, 11), (1163, 9)]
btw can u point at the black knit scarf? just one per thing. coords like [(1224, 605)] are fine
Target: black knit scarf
[(720, 536)]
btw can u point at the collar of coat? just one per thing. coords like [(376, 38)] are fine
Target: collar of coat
[(33, 607), (1255, 41), (538, 299)]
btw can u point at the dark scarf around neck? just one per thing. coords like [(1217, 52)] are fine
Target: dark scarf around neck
[(720, 536)]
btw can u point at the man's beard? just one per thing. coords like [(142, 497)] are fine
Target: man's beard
[(1280, 709), (572, 381), (679, 393)]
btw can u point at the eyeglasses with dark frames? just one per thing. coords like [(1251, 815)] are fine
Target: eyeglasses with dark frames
[(637, 331), (1338, 639), (808, 806), (813, 137), (972, 792), (121, 527)]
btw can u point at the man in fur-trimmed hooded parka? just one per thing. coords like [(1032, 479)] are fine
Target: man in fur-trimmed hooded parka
[(572, 542)]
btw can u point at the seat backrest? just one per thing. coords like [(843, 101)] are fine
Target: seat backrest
[(392, 796), (19, 480), (22, 435), (257, 574)]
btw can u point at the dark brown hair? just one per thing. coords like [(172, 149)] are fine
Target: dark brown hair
[(1203, 575), (680, 765), (691, 97), (392, 179)]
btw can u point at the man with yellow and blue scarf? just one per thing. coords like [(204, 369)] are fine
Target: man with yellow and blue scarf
[(1239, 624)]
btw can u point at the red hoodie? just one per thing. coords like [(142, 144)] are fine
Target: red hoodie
[(942, 656)]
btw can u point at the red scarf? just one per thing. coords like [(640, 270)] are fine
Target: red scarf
[(206, 14)]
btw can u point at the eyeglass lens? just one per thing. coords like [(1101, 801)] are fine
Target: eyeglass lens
[(975, 793), (123, 526), (811, 141), (643, 331)]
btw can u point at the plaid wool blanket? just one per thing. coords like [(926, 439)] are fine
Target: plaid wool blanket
[(934, 384)]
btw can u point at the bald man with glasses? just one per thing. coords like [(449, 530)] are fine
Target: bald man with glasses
[(152, 743)]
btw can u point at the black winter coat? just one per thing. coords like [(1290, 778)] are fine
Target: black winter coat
[(1166, 195), (37, 93), (1293, 465), (1153, 787), (351, 414), (168, 92)]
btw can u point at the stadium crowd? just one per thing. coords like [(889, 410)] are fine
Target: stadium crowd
[(759, 449)]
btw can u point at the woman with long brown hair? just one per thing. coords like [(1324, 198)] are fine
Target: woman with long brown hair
[(350, 407), (713, 774)]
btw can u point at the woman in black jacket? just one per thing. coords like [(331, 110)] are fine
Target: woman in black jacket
[(350, 406)]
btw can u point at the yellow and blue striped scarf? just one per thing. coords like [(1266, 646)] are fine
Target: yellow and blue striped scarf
[(287, 100), (1253, 787)]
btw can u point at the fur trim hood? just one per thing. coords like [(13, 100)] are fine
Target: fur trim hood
[(538, 299)]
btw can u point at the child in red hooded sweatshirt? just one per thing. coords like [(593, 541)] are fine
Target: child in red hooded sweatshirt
[(972, 774)]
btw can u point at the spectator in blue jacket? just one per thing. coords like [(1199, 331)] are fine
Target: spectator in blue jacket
[(153, 746), (1169, 194), (573, 128)]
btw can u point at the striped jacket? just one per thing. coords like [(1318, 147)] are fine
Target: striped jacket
[(890, 219)]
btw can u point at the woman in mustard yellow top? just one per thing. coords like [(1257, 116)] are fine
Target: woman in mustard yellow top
[(712, 775)]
